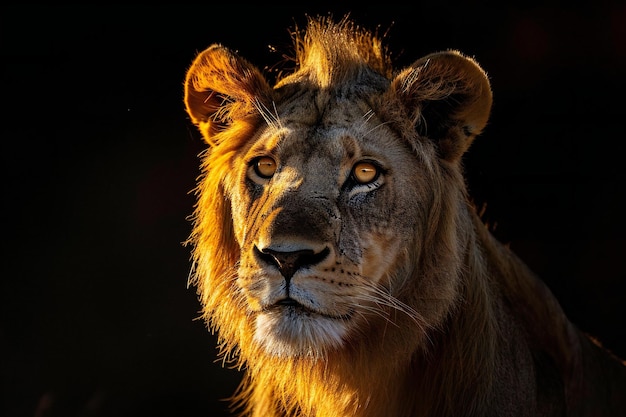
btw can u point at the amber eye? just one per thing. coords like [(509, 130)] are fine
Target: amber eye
[(365, 172), (264, 167)]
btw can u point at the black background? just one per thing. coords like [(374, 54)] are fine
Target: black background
[(99, 158)]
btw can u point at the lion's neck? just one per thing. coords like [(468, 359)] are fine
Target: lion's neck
[(357, 384)]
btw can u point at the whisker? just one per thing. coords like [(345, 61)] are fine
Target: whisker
[(378, 297), (366, 118), (376, 310), (276, 117), (270, 118), (376, 127)]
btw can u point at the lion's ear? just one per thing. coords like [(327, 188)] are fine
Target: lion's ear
[(220, 87), (448, 97)]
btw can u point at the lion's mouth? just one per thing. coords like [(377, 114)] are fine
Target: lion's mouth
[(290, 306)]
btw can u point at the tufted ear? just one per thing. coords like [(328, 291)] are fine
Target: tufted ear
[(221, 87), (448, 97)]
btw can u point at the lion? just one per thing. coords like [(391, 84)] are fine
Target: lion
[(339, 258)]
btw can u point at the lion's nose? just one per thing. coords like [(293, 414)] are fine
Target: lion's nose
[(289, 262)]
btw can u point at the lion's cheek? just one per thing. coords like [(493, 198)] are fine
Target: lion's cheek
[(240, 228), (379, 253)]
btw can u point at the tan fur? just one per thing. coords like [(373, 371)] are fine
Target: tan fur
[(402, 304)]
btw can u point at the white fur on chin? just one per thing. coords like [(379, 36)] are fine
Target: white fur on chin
[(292, 332)]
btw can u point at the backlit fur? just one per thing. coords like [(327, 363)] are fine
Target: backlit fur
[(404, 304)]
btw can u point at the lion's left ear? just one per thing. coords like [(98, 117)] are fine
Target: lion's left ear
[(448, 97)]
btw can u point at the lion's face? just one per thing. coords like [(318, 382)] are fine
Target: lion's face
[(329, 204), (324, 205)]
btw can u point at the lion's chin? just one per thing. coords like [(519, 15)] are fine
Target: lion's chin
[(293, 331)]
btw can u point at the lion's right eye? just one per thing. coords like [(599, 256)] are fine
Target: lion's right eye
[(264, 167)]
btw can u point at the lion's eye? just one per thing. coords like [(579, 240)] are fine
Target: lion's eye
[(365, 172), (264, 167)]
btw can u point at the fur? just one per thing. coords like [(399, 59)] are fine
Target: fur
[(388, 297)]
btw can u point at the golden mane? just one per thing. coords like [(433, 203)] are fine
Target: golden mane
[(475, 334), (334, 53)]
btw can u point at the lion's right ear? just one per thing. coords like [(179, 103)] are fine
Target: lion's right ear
[(221, 87)]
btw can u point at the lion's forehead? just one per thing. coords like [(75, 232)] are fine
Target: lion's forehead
[(338, 132), (324, 109), (303, 143)]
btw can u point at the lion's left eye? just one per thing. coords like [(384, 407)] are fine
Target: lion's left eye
[(365, 172)]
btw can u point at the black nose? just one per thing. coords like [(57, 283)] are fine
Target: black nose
[(289, 262)]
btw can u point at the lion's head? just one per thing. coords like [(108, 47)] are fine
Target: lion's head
[(329, 202), (332, 227)]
